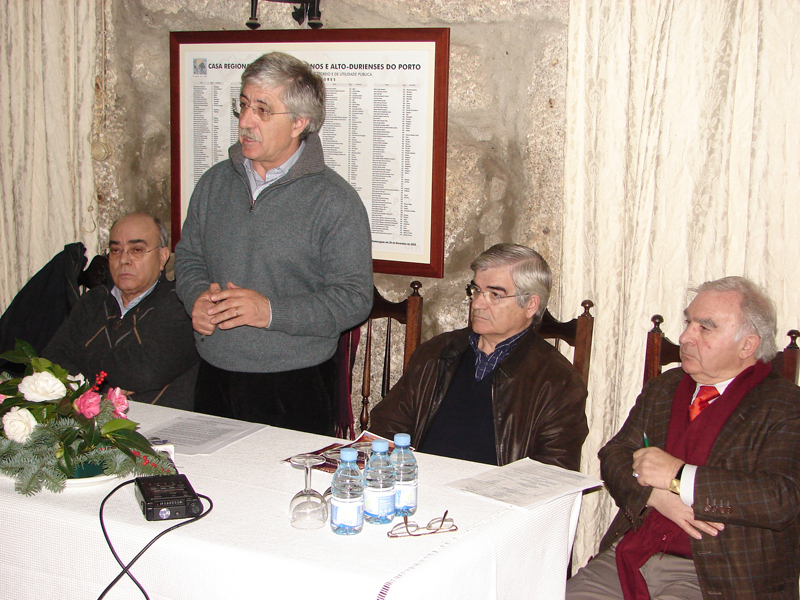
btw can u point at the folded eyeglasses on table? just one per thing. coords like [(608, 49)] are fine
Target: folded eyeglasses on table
[(410, 528)]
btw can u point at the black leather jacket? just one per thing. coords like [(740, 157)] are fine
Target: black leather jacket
[(538, 398)]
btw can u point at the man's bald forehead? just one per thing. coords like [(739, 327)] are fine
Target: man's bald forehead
[(145, 224)]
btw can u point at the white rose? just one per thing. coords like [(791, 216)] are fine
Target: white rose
[(18, 424), (41, 387), (76, 381)]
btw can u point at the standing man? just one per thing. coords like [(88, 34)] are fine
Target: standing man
[(274, 260), (497, 392), (710, 508), (137, 330)]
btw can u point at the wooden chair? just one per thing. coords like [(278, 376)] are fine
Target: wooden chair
[(577, 333), (785, 362), (407, 312), (662, 351)]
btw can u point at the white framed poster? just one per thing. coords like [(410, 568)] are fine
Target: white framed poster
[(385, 127)]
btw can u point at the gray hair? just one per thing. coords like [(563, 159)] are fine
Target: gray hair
[(303, 89), (759, 316), (163, 233), (529, 272)]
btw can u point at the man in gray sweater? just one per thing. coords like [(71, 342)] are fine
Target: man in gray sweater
[(274, 260)]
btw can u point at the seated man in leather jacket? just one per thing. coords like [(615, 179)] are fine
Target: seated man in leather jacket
[(495, 392)]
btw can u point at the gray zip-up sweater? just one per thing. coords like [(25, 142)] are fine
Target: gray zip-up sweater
[(304, 243)]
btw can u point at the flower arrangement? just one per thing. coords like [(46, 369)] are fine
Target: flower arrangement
[(54, 423)]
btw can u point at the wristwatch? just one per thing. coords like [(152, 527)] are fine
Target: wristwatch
[(675, 484)]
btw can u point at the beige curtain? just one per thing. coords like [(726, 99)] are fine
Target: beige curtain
[(683, 148), (47, 68)]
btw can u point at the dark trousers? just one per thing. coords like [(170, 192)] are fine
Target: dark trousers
[(300, 399)]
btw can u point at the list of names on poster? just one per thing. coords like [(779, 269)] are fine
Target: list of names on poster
[(375, 135)]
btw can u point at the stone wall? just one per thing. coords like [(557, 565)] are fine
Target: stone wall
[(505, 156)]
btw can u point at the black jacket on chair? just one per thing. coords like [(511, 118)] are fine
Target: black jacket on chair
[(43, 304)]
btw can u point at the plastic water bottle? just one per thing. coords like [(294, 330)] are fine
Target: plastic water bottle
[(347, 495), (405, 476), (379, 485)]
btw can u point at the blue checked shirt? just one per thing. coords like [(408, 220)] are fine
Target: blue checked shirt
[(486, 363)]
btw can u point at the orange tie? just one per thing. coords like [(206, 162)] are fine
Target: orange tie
[(705, 394)]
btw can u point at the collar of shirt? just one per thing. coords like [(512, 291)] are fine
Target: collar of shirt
[(257, 184), (721, 387), (115, 291), (485, 364)]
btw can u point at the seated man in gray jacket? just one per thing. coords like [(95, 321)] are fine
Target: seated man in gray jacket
[(497, 392), (137, 330)]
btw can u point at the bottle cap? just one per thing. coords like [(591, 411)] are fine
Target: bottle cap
[(348, 454), (402, 439), (380, 445)]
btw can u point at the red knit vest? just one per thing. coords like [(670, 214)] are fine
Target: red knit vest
[(692, 443)]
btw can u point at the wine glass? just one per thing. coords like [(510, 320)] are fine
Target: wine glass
[(363, 448), (308, 509)]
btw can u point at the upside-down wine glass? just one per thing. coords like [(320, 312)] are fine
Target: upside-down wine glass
[(308, 509)]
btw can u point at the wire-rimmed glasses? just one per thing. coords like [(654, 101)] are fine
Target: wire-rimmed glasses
[(411, 529), (134, 252), (262, 112), (492, 297)]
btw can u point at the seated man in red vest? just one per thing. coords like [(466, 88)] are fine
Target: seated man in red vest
[(497, 392), (710, 509)]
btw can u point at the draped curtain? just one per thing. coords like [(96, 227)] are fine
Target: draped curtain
[(682, 165), (47, 68)]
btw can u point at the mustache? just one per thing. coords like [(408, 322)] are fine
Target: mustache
[(249, 134)]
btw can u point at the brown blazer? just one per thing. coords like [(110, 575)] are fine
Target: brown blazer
[(538, 399), (751, 483)]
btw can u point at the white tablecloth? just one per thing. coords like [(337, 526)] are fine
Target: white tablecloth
[(52, 545)]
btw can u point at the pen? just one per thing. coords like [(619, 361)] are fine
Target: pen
[(646, 441)]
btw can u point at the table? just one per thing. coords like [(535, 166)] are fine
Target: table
[(52, 545)]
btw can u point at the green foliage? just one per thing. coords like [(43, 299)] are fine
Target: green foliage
[(63, 439), (117, 424), (22, 353)]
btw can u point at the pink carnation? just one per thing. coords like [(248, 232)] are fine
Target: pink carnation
[(120, 402), (88, 404)]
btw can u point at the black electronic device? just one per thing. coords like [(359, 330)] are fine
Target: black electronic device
[(167, 497)]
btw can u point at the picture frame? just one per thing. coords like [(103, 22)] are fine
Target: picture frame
[(385, 130)]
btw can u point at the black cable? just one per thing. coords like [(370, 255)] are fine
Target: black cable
[(108, 541), (126, 568)]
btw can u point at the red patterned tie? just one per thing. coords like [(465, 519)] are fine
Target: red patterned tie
[(705, 394)]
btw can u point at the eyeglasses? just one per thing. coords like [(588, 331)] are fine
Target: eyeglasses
[(262, 112), (491, 296), (135, 252), (409, 528)]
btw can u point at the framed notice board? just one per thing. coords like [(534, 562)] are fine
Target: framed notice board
[(385, 128)]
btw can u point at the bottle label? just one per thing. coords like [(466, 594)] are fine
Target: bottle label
[(348, 512), (405, 495), (379, 502)]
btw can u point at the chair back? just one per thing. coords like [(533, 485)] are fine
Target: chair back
[(662, 351), (577, 333), (407, 312), (785, 362)]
